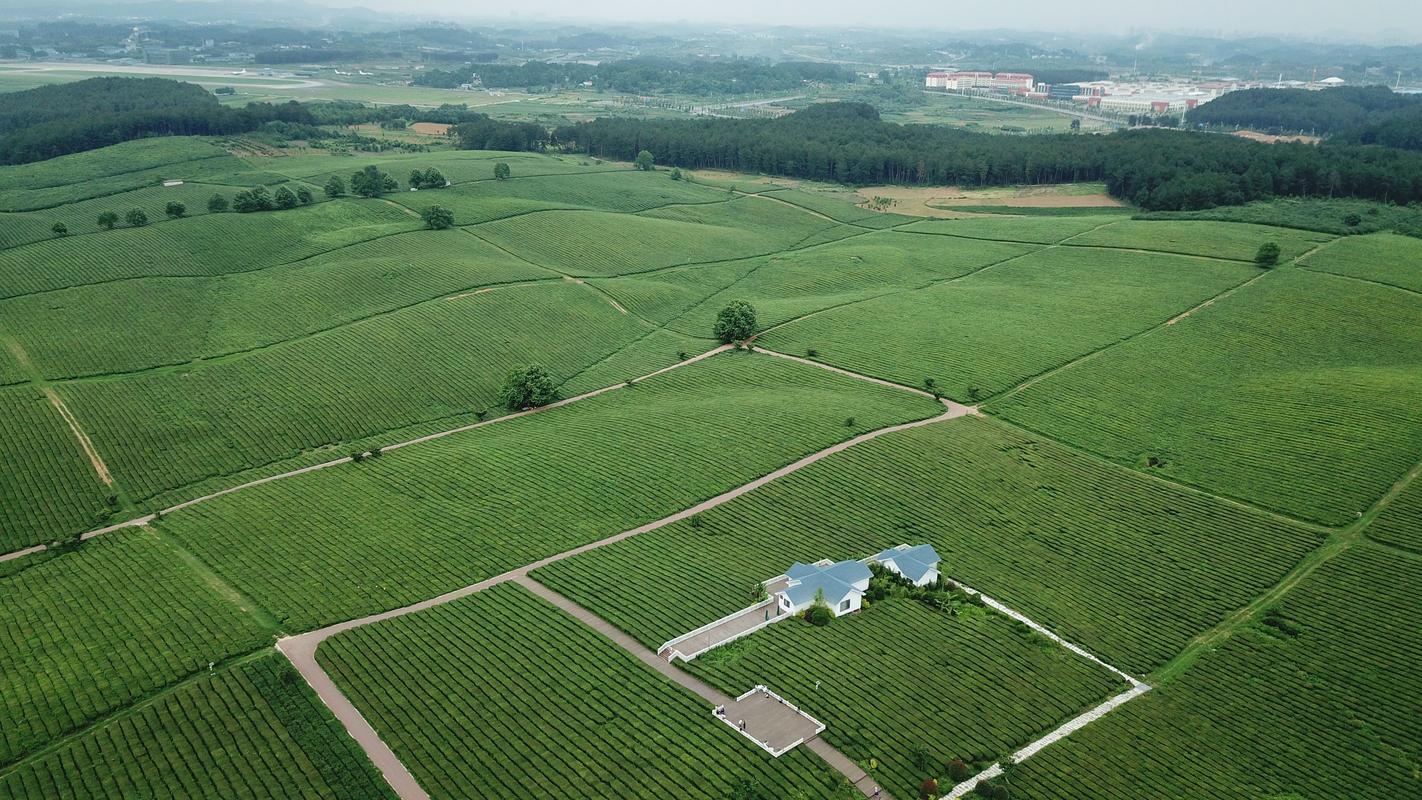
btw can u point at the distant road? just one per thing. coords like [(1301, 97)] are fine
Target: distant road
[(1067, 112), (199, 74)]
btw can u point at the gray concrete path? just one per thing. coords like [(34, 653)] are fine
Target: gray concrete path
[(147, 518), (301, 649)]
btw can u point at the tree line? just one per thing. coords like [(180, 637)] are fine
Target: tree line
[(1155, 169), (646, 75), (1354, 114), (68, 118)]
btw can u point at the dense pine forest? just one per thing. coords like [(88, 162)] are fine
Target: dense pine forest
[(1349, 114), (1155, 169), (67, 118)]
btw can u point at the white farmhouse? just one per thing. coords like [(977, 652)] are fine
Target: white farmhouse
[(840, 584), (918, 565)]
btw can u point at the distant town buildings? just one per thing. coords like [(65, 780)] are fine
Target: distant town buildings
[(1002, 81)]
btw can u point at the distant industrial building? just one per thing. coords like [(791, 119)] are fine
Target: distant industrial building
[(958, 81)]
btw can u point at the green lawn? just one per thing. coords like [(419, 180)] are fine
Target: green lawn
[(147, 322), (1232, 240), (1040, 230), (208, 245), (898, 682), (592, 244), (1319, 699), (623, 191), (50, 490), (1400, 523), (444, 360), (501, 695), (1382, 257), (414, 523), (1302, 393), (1125, 566), (250, 731), (95, 630), (790, 285), (994, 329)]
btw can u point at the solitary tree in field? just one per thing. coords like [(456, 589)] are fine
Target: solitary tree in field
[(335, 187), (217, 204), (175, 209), (1268, 255), (136, 217), (735, 323), (284, 198), (437, 218), (675, 174), (644, 161), (501, 171), (528, 387), (303, 195), (60, 229), (108, 220)]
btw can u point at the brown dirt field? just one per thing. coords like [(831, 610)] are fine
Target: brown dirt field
[(1256, 136), (430, 128), (937, 201)]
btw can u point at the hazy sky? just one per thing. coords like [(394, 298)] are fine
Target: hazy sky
[(1392, 20)]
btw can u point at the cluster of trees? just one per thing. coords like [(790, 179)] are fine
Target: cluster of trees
[(1155, 169), (484, 133), (427, 179), (645, 75), (1324, 112), (257, 199), (370, 182), (68, 118)]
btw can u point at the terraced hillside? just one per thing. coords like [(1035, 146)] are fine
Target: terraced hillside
[(289, 427)]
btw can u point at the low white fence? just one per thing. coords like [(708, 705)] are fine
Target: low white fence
[(718, 713), (671, 644)]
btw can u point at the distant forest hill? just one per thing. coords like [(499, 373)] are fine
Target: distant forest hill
[(70, 117), (85, 115), (644, 75), (1351, 114), (1155, 169)]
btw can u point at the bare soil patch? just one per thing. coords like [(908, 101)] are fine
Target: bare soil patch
[(430, 128), (939, 201), (1269, 138)]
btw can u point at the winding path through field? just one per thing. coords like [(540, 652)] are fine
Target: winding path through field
[(301, 649)]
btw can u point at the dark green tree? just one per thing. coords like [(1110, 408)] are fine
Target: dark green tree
[(217, 204), (335, 187), (736, 322), (528, 387), (175, 209), (371, 182), (1267, 255), (303, 195), (437, 218), (501, 171), (107, 220), (644, 161), (284, 198), (59, 229), (136, 217)]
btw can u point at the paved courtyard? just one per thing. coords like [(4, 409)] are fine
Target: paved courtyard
[(769, 721)]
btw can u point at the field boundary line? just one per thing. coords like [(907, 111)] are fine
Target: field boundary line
[(1137, 688), (1338, 542), (85, 443), (1041, 376), (301, 648), (104, 720), (203, 361), (191, 276), (1384, 284), (147, 518)]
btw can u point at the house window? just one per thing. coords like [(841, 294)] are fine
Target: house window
[(844, 606)]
